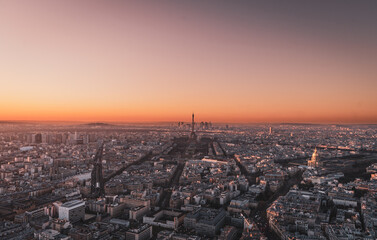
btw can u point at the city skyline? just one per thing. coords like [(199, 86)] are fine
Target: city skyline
[(132, 61), (188, 120)]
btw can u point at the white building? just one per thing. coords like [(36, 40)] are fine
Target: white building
[(72, 211)]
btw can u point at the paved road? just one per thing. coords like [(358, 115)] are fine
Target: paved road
[(142, 159), (165, 196), (251, 177), (260, 215)]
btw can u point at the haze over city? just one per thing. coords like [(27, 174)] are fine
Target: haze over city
[(145, 61)]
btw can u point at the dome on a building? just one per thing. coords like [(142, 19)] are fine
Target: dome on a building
[(315, 156)]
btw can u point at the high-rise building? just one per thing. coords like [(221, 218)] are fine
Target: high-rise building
[(37, 138)]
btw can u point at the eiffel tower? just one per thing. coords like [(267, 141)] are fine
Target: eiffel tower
[(192, 134)]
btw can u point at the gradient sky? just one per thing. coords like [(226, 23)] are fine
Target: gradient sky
[(228, 61)]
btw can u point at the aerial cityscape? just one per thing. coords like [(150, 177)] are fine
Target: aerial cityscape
[(188, 120)]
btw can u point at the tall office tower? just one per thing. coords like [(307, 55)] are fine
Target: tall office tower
[(270, 131), (98, 185), (38, 138), (192, 134)]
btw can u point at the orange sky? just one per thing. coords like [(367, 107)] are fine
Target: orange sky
[(132, 61)]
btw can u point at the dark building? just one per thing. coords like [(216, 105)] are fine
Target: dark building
[(205, 221), (38, 138), (143, 232)]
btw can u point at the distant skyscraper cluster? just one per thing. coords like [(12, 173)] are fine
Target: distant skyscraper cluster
[(199, 126)]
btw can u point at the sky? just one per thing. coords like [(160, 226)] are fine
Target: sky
[(227, 61)]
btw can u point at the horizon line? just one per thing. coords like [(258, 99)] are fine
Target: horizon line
[(167, 122)]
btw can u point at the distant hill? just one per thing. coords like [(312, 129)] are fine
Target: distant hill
[(11, 122), (302, 124), (98, 124)]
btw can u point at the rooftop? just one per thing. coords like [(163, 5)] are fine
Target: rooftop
[(73, 203)]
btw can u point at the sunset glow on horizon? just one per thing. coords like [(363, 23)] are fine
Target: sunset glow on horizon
[(139, 61)]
